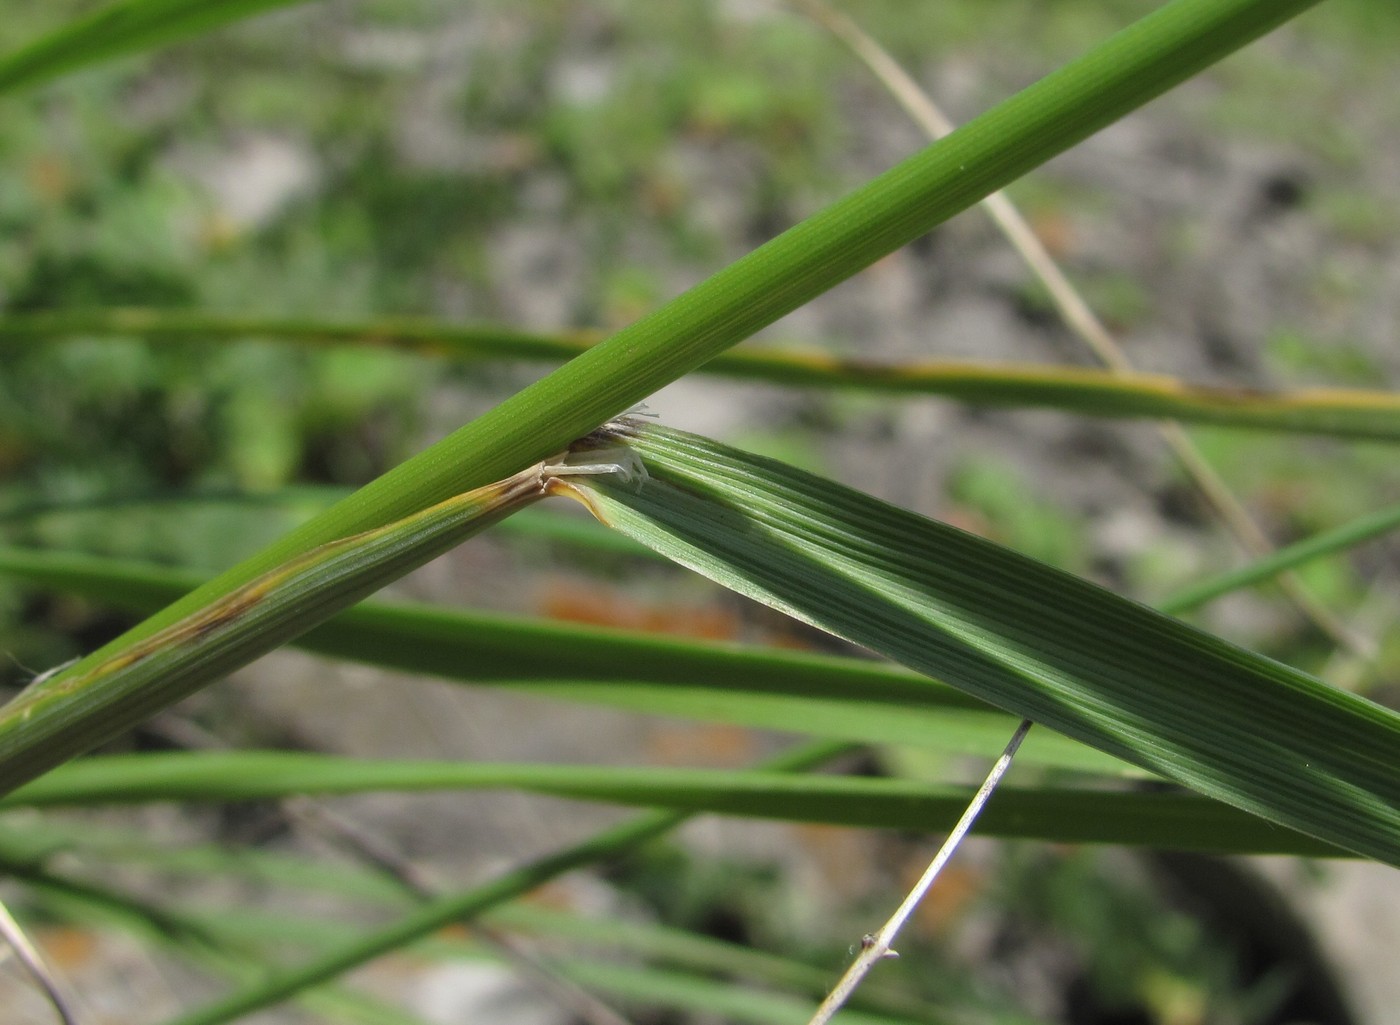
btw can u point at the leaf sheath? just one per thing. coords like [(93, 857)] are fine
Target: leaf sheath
[(55, 719)]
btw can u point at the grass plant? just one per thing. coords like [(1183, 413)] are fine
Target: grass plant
[(1255, 756)]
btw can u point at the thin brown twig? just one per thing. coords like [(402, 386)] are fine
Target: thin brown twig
[(881, 945), (1082, 320)]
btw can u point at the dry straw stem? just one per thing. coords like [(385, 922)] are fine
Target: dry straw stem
[(29, 956), (880, 946), (1082, 320)]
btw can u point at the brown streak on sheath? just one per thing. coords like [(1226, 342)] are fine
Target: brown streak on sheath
[(518, 488), (193, 628), (229, 610)]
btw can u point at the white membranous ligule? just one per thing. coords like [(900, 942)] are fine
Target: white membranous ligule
[(607, 458), (618, 459)]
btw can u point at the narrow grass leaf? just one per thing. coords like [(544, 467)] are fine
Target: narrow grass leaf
[(119, 29), (199, 940), (1339, 412), (33, 840), (1329, 542), (32, 837), (1025, 637), (468, 904), (665, 945), (223, 942), (1166, 820)]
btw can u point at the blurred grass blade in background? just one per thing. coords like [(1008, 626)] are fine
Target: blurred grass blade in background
[(1171, 821), (468, 904), (120, 29), (23, 847), (1328, 542), (1338, 412), (1026, 637)]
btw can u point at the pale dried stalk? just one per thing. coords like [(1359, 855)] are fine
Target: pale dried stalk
[(881, 945), (1082, 320), (28, 955)]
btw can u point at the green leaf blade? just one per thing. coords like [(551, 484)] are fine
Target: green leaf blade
[(1173, 821), (1025, 637), (118, 30)]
